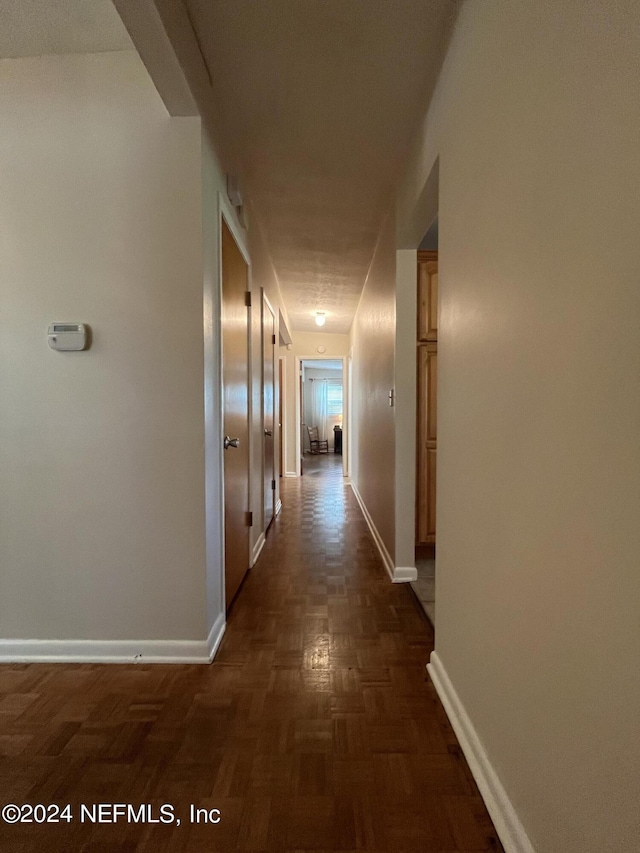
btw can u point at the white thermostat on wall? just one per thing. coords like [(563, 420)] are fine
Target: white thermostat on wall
[(67, 337)]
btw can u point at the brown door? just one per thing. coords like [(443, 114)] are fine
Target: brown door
[(268, 409), (280, 421), (235, 371)]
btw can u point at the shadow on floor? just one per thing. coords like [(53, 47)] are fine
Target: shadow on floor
[(425, 587)]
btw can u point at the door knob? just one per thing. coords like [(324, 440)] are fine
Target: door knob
[(268, 432), (230, 442)]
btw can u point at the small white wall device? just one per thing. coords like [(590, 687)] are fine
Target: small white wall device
[(67, 337)]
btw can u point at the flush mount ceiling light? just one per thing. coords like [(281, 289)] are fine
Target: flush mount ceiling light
[(320, 318)]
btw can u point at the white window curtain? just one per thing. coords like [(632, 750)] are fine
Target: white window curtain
[(319, 407)]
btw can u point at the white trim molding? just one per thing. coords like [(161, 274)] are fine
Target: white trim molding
[(278, 507), (386, 557), (257, 549), (151, 40), (397, 574), (289, 474), (405, 574), (114, 651), (502, 811), (215, 636)]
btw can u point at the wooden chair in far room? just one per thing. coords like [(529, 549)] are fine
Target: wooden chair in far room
[(317, 444)]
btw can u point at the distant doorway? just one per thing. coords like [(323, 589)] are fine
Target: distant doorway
[(322, 416)]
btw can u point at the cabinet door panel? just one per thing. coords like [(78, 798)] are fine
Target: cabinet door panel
[(431, 495), (432, 391), (427, 296), (428, 393), (427, 435), (426, 516)]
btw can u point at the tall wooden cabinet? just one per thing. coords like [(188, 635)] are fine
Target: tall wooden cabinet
[(427, 438)]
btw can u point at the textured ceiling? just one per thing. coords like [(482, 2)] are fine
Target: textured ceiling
[(316, 101), (35, 27)]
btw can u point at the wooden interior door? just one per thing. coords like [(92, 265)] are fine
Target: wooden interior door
[(268, 409), (235, 371), (427, 351), (280, 415)]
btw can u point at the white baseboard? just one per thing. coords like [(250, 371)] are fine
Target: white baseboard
[(257, 549), (405, 574), (503, 814), (215, 636), (278, 507), (386, 557), (397, 575), (114, 651), (290, 474)]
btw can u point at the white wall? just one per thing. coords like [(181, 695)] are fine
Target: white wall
[(373, 422), (101, 452), (536, 121), (166, 28), (168, 20)]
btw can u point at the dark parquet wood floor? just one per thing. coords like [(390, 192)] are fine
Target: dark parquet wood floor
[(316, 729)]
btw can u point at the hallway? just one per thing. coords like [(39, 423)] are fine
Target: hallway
[(489, 403), (315, 728)]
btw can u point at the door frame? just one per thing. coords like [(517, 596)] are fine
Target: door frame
[(282, 430), (346, 444), (349, 405), (227, 213), (264, 300)]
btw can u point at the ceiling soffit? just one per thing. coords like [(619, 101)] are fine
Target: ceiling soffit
[(40, 27), (315, 103)]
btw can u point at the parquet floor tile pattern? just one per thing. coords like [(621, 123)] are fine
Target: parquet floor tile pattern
[(316, 728)]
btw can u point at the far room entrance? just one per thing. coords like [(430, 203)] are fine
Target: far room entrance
[(322, 416)]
